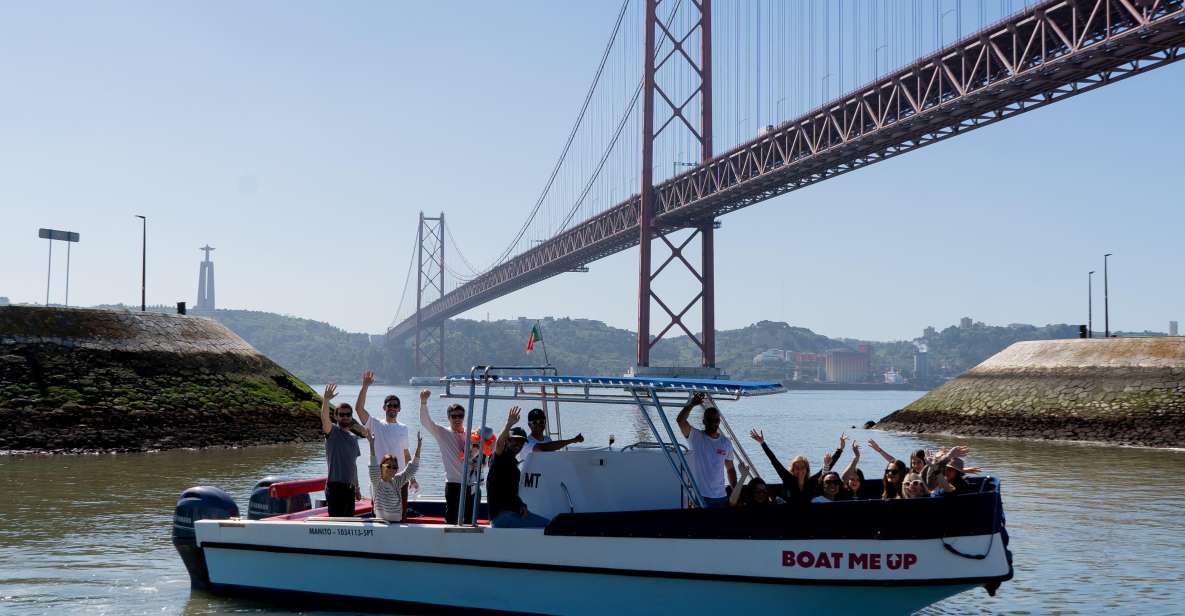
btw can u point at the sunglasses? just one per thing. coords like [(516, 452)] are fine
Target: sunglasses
[(391, 406), (457, 416), (915, 482)]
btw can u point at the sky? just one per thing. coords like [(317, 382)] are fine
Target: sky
[(302, 139)]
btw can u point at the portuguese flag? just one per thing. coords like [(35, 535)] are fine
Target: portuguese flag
[(533, 338)]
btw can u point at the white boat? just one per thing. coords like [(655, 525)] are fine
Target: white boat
[(626, 534)]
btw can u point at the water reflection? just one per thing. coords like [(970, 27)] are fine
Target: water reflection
[(1094, 528)]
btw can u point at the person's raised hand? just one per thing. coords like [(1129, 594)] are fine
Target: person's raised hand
[(973, 470), (827, 460), (757, 435), (579, 438), (368, 378), (959, 451), (856, 449), (873, 445), (419, 441), (843, 440), (513, 417), (425, 393), (697, 398), (330, 391), (744, 469)]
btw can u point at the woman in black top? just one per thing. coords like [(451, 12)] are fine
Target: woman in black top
[(798, 485)]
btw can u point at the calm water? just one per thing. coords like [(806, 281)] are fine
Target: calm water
[(1094, 529)]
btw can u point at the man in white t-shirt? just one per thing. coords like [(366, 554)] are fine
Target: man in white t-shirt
[(390, 436), (711, 454), (538, 440)]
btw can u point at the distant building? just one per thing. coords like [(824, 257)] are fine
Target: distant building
[(205, 298), (892, 377), (4, 302), (847, 366), (965, 323), (1172, 324), (806, 366), (921, 365), (771, 356), (929, 332)]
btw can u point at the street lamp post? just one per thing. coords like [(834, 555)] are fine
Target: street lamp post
[(1106, 304), (1089, 304), (143, 260)]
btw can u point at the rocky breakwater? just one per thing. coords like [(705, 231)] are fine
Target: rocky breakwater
[(1114, 390), (75, 380)]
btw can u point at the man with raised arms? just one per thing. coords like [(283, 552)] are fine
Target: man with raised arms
[(711, 454), (507, 510), (451, 442), (538, 440), (341, 453), (390, 436)]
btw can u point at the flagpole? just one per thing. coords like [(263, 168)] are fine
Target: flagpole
[(543, 343)]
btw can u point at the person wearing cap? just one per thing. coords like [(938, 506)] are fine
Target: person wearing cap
[(450, 440), (944, 476), (538, 440), (711, 454), (390, 436), (507, 510)]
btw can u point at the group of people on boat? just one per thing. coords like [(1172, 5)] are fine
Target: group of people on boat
[(720, 482), (711, 460)]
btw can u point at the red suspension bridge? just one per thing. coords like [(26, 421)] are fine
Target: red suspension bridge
[(662, 77)]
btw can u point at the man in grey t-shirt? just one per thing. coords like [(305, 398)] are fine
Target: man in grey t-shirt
[(341, 452)]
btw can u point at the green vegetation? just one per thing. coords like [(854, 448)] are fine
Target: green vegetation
[(318, 352)]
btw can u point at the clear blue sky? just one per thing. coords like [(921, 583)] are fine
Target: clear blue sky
[(301, 139)]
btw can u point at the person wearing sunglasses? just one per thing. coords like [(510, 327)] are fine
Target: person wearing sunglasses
[(915, 487), (387, 481), (798, 484), (538, 440), (341, 454), (830, 488), (894, 475), (451, 440), (390, 436)]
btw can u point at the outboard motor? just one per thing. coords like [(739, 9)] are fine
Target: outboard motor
[(200, 503), (262, 505)]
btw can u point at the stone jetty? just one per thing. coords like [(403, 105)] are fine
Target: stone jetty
[(1113, 390), (74, 379)]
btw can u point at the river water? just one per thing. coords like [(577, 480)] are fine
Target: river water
[(1094, 529)]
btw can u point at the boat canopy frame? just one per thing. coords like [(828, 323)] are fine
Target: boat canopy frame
[(511, 383)]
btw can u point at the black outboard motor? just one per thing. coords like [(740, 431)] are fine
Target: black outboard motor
[(263, 505), (200, 503)]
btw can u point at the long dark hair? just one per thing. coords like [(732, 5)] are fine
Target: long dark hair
[(748, 489), (893, 490)]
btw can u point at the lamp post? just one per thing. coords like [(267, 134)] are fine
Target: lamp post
[(143, 260), (1106, 305), (1089, 304)]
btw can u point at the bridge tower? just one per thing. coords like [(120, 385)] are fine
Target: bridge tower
[(679, 115), (429, 342)]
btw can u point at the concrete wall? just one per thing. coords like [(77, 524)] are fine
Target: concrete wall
[(1118, 390), (76, 379)]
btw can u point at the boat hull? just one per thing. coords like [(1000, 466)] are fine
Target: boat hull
[(519, 570)]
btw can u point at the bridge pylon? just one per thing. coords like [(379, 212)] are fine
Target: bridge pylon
[(683, 116), (429, 341)]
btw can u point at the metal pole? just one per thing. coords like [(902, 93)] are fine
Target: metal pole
[(1090, 304), (461, 502), (68, 272), (646, 200), (143, 262), (1106, 305), (48, 270)]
